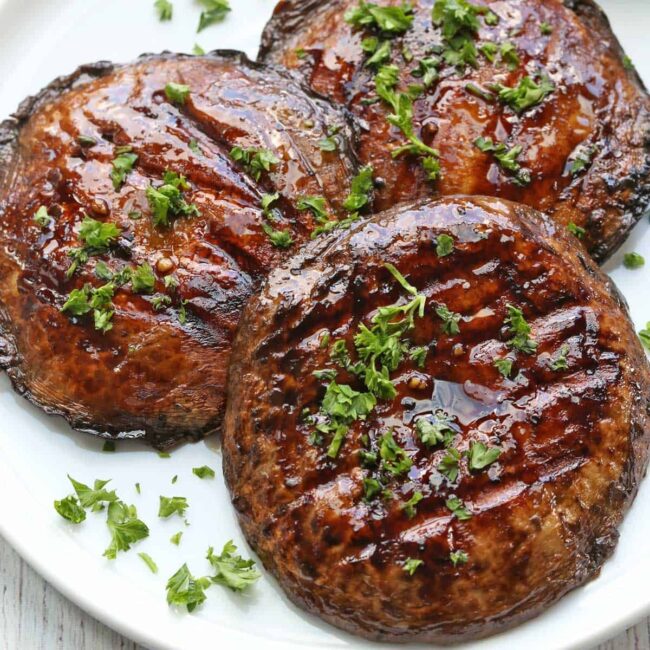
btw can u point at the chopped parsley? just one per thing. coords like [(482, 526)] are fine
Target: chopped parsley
[(203, 472), (98, 300), (560, 362), (444, 245), (177, 93), (360, 190), (371, 488), (125, 528), (328, 144), (167, 200), (582, 159), (96, 236), (477, 91), (94, 497), (525, 95), (176, 538), (458, 557), (409, 506), (143, 279), (122, 165), (578, 231), (480, 456), (449, 320), (628, 64), (458, 509), (193, 146), (380, 345), (435, 430), (489, 50), (411, 565), (153, 567), (215, 11), (160, 301), (504, 366), (509, 55), (633, 260), (427, 70), (254, 161), (393, 458), (86, 141), (184, 590), (545, 29), (42, 218), (164, 8), (316, 205), (172, 505), (70, 509), (507, 158), (518, 326), (391, 21), (232, 570), (449, 465)]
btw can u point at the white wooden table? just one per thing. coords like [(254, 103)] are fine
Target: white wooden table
[(34, 616)]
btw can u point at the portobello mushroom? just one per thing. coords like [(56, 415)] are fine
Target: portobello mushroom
[(529, 100), (436, 421), (140, 205)]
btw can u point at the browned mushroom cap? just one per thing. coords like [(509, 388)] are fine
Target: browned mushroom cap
[(436, 421), (585, 144), (97, 145)]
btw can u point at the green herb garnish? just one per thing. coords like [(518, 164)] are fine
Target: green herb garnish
[(410, 506), (177, 93), (122, 165), (215, 12), (458, 509), (125, 528), (458, 557), (525, 95), (633, 260), (391, 21), (184, 590), (411, 565), (164, 8), (449, 465), (172, 505), (70, 509), (480, 456), (232, 570), (153, 567), (518, 326), (42, 218), (203, 472), (254, 161)]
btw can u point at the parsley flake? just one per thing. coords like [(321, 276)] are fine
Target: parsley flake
[(444, 245), (254, 161), (232, 570), (633, 260), (153, 567), (393, 458), (480, 456), (42, 218), (391, 21), (125, 528), (560, 362), (184, 590), (458, 557), (177, 93), (70, 509), (411, 565), (526, 94), (644, 335), (215, 12), (458, 509), (518, 326), (172, 505), (504, 366), (93, 497), (143, 279), (409, 507), (435, 430), (449, 320), (122, 165), (578, 231), (176, 538), (164, 8), (203, 472), (449, 465)]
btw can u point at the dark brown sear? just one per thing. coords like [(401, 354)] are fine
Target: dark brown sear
[(159, 373), (482, 491), (585, 146)]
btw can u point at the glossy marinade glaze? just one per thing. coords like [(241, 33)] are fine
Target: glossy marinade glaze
[(382, 537), (159, 373), (598, 106)]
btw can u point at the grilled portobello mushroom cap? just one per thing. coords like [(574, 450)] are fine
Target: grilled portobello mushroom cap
[(98, 144), (439, 449), (583, 128)]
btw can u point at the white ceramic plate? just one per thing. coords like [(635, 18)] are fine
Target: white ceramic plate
[(40, 40)]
